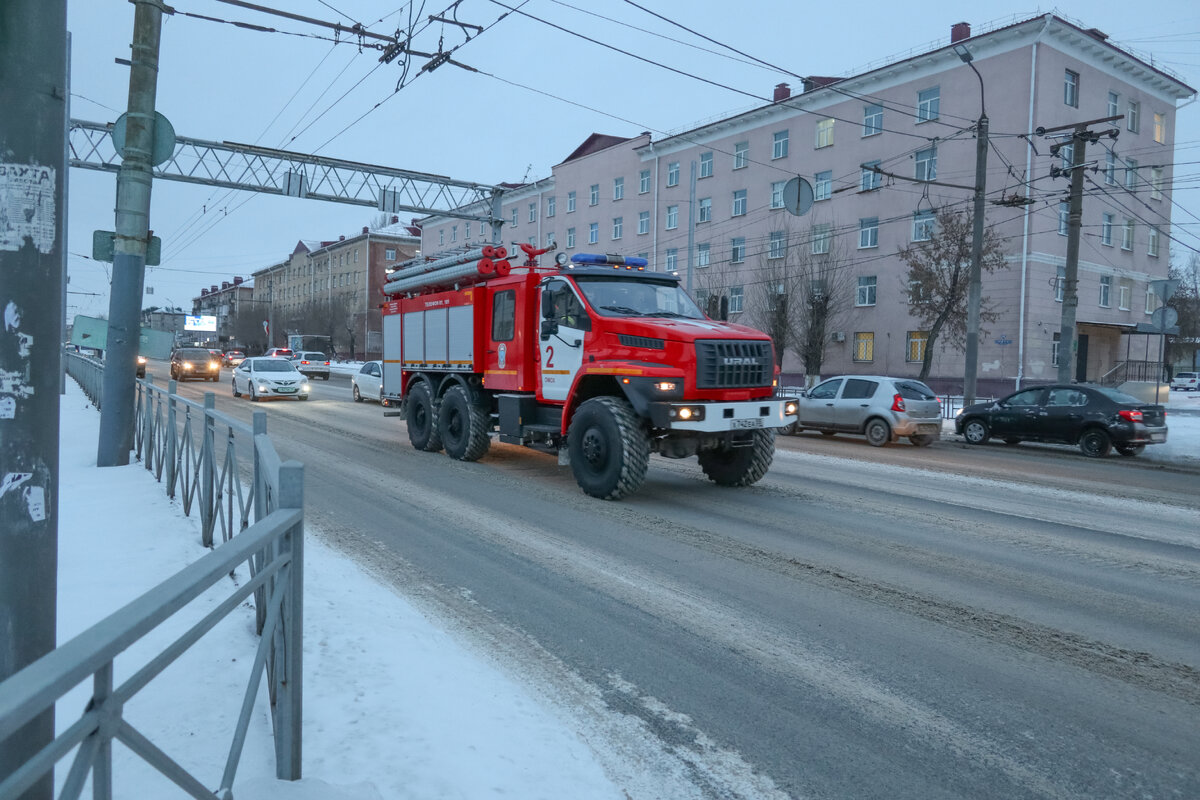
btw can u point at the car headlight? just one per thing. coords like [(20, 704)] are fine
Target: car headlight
[(304, 387), (187, 365), (141, 360)]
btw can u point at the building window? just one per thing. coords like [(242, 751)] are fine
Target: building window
[(868, 232), (643, 222), (870, 179), (1071, 89), (824, 133), (736, 299), (619, 188), (865, 293), (864, 346), (550, 206), (1114, 104), (922, 229), (442, 234), (1106, 223), (533, 212), (1156, 183), (1110, 168), (1054, 344), (1133, 118), (593, 233), (1064, 217), (570, 238), (915, 349), (705, 205), (453, 234), (1160, 128), (1151, 301), (706, 164), (927, 104), (672, 259), (779, 144), (1060, 282), (1127, 235), (741, 154), (618, 226), (673, 173), (703, 253), (1152, 241), (777, 247), (1105, 290), (594, 194), (823, 185), (737, 249), (672, 217), (1131, 174), (514, 218), (777, 194), (550, 240), (822, 234), (570, 202), (643, 181), (739, 202), (927, 164), (872, 119), (1124, 292)]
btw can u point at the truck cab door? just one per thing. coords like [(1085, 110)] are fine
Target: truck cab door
[(564, 321)]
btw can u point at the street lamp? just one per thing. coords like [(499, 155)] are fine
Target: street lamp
[(974, 288)]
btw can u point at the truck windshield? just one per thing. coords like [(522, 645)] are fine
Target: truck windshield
[(621, 296)]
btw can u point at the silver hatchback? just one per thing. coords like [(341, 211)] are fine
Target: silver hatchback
[(881, 408)]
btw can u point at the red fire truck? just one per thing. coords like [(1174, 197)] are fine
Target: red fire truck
[(594, 358)]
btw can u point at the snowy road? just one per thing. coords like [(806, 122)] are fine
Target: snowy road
[(843, 629)]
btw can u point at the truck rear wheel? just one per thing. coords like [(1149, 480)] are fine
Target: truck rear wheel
[(422, 419), (609, 448), (463, 426), (739, 466)]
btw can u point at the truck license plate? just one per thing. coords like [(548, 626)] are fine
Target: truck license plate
[(753, 422)]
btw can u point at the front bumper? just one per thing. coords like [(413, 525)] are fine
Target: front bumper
[(717, 417)]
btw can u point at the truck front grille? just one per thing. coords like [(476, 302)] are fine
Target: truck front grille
[(733, 364)]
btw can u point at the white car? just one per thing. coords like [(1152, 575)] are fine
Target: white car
[(312, 364), (1186, 381), (368, 382), (265, 376)]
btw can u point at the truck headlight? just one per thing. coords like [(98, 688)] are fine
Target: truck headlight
[(790, 408), (687, 413)]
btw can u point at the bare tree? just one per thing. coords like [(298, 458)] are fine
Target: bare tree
[(246, 326), (1186, 302), (938, 278)]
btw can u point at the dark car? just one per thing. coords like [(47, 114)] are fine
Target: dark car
[(1096, 418), (195, 362)]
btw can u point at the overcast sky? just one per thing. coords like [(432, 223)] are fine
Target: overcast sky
[(298, 92)]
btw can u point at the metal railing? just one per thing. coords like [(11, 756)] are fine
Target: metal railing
[(171, 443)]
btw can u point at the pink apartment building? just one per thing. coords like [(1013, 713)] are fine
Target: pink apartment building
[(913, 118)]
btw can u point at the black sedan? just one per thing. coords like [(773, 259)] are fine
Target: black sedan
[(1096, 418)]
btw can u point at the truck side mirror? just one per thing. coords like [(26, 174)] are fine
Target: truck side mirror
[(549, 328), (548, 304)]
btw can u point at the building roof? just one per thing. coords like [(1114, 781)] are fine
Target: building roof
[(595, 143)]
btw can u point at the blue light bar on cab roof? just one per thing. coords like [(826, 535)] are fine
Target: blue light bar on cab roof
[(617, 261)]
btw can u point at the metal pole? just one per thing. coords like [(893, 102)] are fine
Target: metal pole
[(33, 169), (1070, 301), (129, 251), (691, 240), (974, 287)]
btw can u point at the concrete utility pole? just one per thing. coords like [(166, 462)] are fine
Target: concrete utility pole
[(129, 251), (33, 96), (1070, 302), (975, 280)]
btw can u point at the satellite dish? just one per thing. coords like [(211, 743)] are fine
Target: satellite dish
[(798, 196)]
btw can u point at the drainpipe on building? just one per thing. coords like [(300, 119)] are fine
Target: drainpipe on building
[(654, 242)]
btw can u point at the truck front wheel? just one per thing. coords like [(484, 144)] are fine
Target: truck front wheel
[(422, 419), (609, 448), (463, 426), (739, 466)]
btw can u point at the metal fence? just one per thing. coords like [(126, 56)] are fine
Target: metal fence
[(177, 439)]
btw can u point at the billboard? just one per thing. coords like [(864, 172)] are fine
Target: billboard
[(202, 322)]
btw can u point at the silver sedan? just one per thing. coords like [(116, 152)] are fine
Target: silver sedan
[(269, 377)]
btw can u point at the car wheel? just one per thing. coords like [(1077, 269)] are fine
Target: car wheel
[(1095, 443), (878, 432), (1129, 450), (303, 396), (357, 394), (253, 394), (236, 393), (922, 439), (325, 377), (975, 431)]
